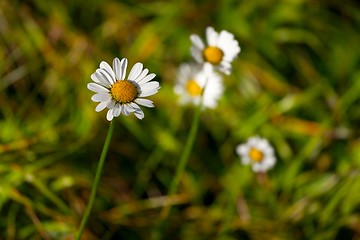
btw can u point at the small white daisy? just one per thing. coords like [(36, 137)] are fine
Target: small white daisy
[(195, 81), (120, 95), (257, 152), (220, 51)]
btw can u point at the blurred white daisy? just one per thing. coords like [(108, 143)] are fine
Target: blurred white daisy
[(122, 95), (220, 49), (191, 81), (257, 152)]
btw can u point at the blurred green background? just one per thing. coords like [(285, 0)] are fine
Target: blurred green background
[(296, 82)]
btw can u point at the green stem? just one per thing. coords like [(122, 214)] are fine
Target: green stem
[(155, 158), (50, 195), (180, 169), (96, 181), (187, 150), (183, 160)]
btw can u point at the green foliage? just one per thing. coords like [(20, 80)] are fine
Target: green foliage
[(296, 82)]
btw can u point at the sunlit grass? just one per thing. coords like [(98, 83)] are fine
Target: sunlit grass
[(295, 83)]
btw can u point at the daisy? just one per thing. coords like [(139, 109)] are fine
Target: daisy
[(122, 95), (257, 152), (191, 81), (220, 51)]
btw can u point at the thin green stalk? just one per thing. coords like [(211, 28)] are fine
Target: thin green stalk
[(184, 158), (180, 168), (155, 158), (96, 181), (156, 235), (49, 194)]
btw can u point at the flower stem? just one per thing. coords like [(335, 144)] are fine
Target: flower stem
[(49, 194), (96, 181), (183, 160), (156, 235), (155, 157)]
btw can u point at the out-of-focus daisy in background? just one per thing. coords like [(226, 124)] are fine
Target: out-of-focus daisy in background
[(220, 49), (119, 95), (196, 81), (258, 152)]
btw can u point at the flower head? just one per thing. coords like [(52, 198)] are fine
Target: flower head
[(122, 95), (257, 152), (221, 49), (195, 82)]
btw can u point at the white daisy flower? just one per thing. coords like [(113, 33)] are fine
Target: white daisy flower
[(120, 95), (195, 81), (257, 152), (220, 51)]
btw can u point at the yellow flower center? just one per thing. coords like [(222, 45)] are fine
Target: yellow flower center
[(256, 155), (193, 88), (124, 91), (213, 55)]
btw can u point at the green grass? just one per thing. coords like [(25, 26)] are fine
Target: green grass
[(296, 82)]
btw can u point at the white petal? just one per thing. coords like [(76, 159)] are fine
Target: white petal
[(197, 54), (257, 168), (211, 36), (103, 77), (142, 75), (225, 38), (100, 97), (117, 110), (135, 71), (95, 79), (208, 69), (179, 89), (144, 102), (209, 103), (196, 40), (123, 67), (272, 161), (100, 79), (267, 163), (97, 88), (127, 110), (242, 149), (134, 106), (117, 69), (121, 108), (231, 50), (100, 106), (107, 68), (111, 104), (107, 75), (150, 85), (139, 114), (148, 92), (146, 79), (225, 67), (268, 150), (253, 141), (245, 160), (109, 115)]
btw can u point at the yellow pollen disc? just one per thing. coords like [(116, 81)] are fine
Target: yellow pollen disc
[(193, 88), (124, 91), (256, 155), (213, 55)]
